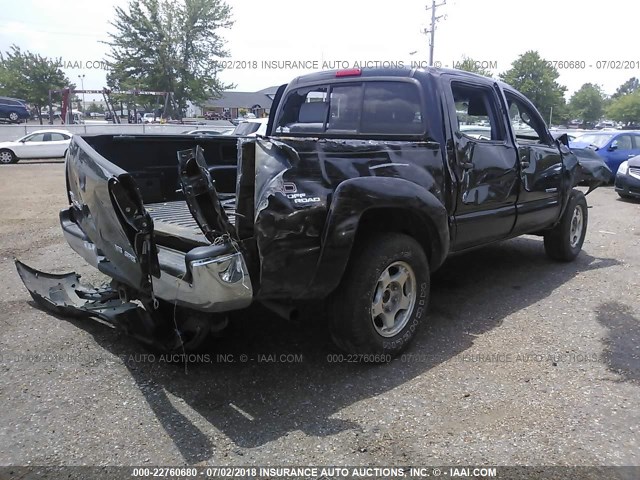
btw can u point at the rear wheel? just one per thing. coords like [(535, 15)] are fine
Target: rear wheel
[(7, 157), (564, 242), (13, 116), (382, 298)]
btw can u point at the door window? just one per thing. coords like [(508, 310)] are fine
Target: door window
[(623, 142), (36, 137), (526, 123), (58, 137), (476, 112)]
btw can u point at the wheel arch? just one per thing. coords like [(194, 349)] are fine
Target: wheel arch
[(365, 205), (15, 157)]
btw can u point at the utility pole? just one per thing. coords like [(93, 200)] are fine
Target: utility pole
[(432, 30), (84, 108)]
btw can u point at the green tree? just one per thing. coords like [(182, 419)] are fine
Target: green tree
[(167, 45), (468, 64), (537, 79), (561, 114), (94, 107), (30, 76), (587, 103), (629, 86), (626, 108)]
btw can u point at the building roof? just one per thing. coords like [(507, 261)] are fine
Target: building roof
[(232, 99)]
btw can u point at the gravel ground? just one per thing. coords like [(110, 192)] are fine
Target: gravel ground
[(524, 361)]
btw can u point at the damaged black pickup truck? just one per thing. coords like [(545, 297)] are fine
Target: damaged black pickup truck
[(365, 182)]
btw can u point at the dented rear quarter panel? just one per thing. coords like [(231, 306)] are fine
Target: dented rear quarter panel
[(311, 194)]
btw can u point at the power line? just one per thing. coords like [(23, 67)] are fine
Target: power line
[(431, 31)]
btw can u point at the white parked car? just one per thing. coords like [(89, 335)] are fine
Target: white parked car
[(150, 118), (251, 127), (38, 144)]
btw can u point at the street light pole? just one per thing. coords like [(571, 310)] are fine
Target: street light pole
[(84, 107)]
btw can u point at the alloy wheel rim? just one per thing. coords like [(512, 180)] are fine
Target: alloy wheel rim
[(5, 157), (393, 299)]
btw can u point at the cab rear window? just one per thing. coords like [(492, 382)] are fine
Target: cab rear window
[(359, 108)]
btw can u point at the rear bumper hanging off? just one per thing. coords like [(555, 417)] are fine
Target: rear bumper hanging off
[(66, 296), (211, 278)]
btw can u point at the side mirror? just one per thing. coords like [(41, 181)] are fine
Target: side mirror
[(613, 146)]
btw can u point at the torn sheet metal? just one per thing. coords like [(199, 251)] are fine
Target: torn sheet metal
[(583, 166), (201, 195), (296, 195), (66, 296)]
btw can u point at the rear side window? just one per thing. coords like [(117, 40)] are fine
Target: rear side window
[(57, 137), (364, 108)]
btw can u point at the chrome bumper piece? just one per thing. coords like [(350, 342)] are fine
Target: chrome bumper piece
[(214, 283)]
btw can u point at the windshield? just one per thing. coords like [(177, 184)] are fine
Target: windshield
[(246, 128), (597, 140)]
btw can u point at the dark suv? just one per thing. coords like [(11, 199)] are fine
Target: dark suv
[(13, 109)]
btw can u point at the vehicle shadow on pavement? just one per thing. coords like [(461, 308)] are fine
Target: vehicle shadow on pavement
[(268, 378), (40, 161)]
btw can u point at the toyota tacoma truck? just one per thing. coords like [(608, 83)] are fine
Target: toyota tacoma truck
[(365, 182)]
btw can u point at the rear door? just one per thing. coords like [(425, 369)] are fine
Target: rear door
[(620, 148), (539, 202), (58, 144), (485, 165)]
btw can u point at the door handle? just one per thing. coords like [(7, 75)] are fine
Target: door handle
[(467, 165)]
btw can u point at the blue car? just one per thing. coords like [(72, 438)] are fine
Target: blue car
[(613, 147), (13, 109)]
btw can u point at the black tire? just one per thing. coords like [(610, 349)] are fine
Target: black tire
[(625, 196), (564, 242), (7, 157), (14, 117), (64, 155), (351, 321)]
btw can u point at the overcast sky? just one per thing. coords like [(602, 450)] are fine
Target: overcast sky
[(341, 31)]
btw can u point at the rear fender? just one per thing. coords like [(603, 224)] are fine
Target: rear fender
[(356, 196)]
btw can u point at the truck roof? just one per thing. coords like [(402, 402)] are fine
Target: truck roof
[(383, 72)]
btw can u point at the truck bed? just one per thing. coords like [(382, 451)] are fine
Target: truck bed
[(175, 219)]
